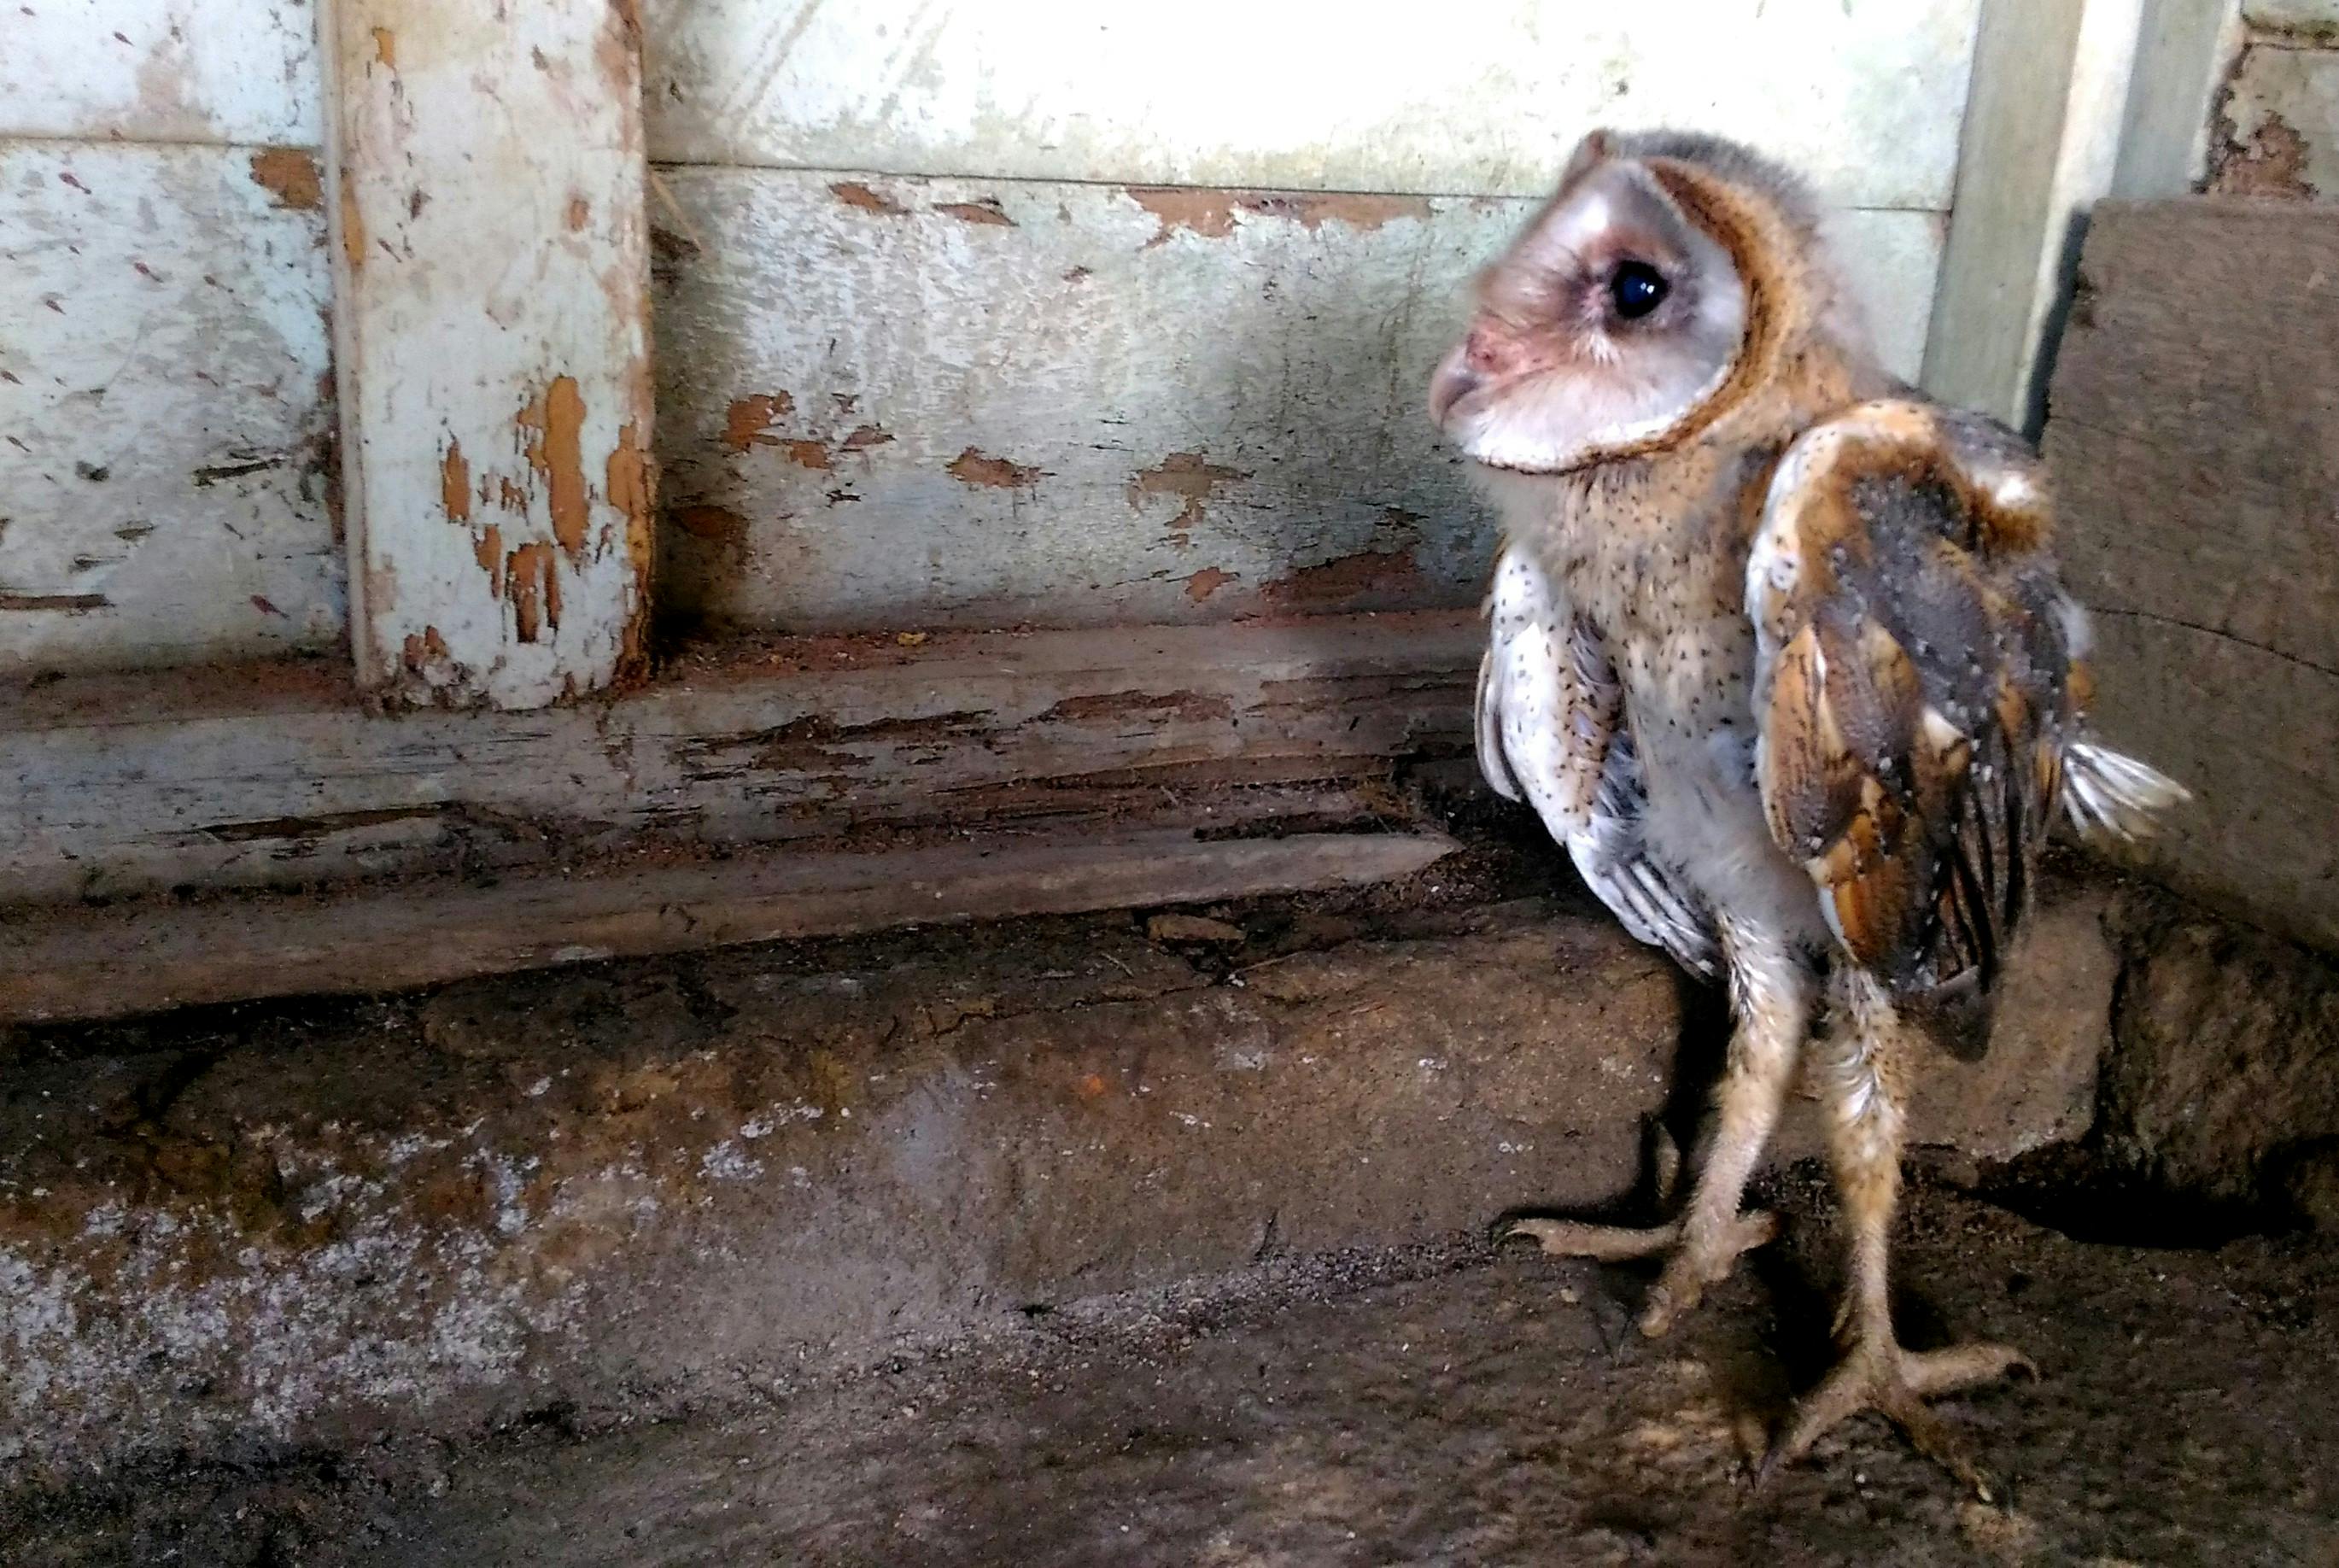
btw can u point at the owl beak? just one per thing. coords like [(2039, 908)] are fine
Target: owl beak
[(1454, 380)]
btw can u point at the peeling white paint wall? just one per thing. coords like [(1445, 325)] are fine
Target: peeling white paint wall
[(1021, 385), (166, 405)]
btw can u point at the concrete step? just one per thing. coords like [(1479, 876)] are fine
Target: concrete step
[(648, 1184)]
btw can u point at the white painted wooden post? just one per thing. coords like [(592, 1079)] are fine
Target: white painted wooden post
[(490, 255)]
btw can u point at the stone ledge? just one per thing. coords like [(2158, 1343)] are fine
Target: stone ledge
[(648, 1183)]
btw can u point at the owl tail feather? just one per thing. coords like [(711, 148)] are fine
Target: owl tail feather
[(2109, 794)]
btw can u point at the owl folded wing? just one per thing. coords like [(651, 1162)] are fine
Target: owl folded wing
[(1551, 730), (1913, 694)]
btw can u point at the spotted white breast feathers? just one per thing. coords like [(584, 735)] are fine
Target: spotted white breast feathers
[(1551, 732)]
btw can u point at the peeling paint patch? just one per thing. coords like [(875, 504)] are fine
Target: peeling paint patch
[(488, 551), (68, 604), (555, 424), (971, 467), (532, 579), (455, 484), (864, 437), (1205, 582), (425, 648), (1209, 213), (580, 212), (1186, 474), (385, 48), (814, 454), (1367, 574), (353, 233), (290, 177), (854, 194), (1212, 213), (748, 421), (628, 483), (986, 210), (2272, 161)]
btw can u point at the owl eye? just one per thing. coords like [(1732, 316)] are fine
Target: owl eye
[(1637, 289)]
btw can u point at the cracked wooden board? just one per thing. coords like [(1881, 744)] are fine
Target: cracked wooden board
[(1867, 97), (271, 776), (892, 402), (2194, 442), (490, 262), (165, 407)]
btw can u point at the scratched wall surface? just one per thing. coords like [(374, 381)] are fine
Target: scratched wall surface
[(165, 407), (889, 402), (972, 314)]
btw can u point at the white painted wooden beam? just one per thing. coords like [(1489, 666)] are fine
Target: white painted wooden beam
[(2182, 57), (2041, 138), (491, 269)]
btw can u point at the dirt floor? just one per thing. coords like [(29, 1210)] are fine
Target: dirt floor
[(1431, 1406)]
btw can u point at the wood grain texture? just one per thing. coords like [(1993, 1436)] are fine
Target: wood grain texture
[(193, 70), (270, 776), (165, 407), (134, 959), (1371, 96), (491, 270), (2194, 439), (907, 402)]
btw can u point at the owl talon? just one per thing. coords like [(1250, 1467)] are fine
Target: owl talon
[(1895, 1383)]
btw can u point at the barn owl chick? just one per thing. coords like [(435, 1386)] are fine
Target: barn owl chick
[(1779, 650)]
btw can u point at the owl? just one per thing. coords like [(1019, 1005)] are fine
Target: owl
[(1778, 649)]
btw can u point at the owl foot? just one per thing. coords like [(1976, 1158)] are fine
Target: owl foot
[(1879, 1376), (1701, 1257)]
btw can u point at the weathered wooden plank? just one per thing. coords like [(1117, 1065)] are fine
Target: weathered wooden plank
[(200, 71), (491, 270), (165, 406), (2194, 439), (907, 402), (2043, 121), (266, 777), (1372, 98), (133, 959)]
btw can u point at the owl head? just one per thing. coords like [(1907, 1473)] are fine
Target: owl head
[(1667, 282)]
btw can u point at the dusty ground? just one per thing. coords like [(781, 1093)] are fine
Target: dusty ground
[(1419, 1407)]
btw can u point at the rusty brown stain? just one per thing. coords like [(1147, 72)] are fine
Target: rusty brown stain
[(509, 494), (487, 549), (424, 647), (455, 484), (1205, 582), (747, 421), (854, 194), (353, 234), (1186, 475), (580, 212), (290, 177), (2271, 163), (716, 525), (984, 211), (864, 437), (1361, 210), (1364, 575), (385, 48), (977, 468), (809, 455), (1209, 213), (632, 489), (532, 579), (555, 425)]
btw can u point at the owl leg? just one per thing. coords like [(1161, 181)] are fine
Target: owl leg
[(1864, 1074), (1771, 993)]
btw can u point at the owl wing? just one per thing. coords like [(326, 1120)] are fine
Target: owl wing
[(1912, 694), (1551, 732)]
